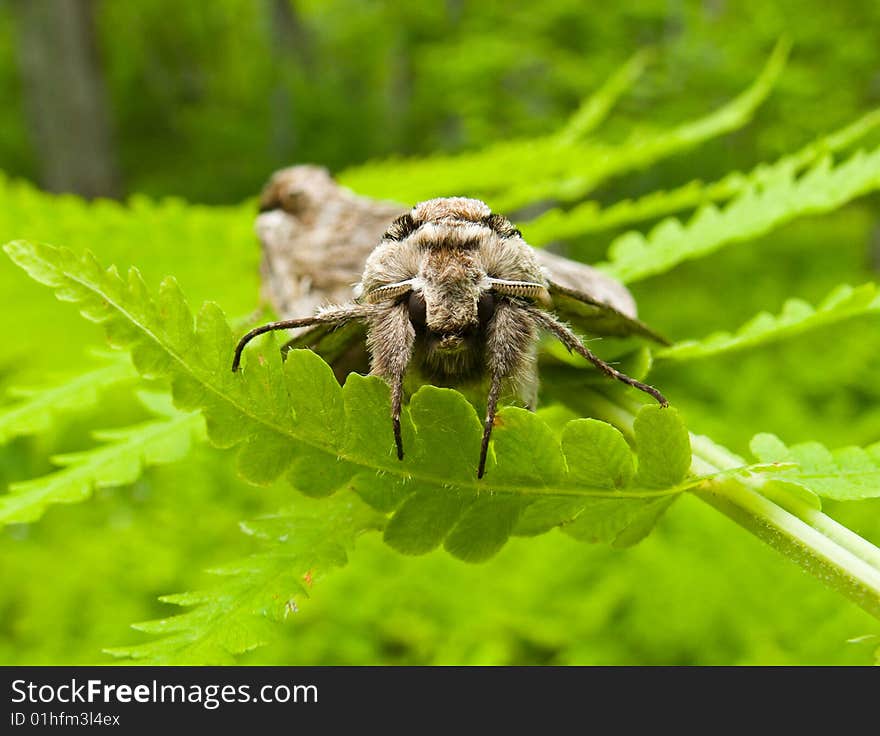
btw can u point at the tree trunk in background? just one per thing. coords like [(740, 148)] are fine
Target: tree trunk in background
[(398, 94), (65, 96), (290, 49)]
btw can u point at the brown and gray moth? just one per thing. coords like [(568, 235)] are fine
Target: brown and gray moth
[(448, 291)]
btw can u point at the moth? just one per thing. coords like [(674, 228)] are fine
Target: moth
[(447, 290)]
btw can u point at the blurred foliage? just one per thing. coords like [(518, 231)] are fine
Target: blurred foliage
[(195, 106), (206, 100)]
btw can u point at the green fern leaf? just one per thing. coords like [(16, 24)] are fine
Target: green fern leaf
[(117, 232), (277, 411), (41, 405), (487, 170), (596, 108), (544, 166), (118, 462), (597, 163), (587, 217), (846, 474), (824, 187), (256, 594), (797, 317), (664, 448)]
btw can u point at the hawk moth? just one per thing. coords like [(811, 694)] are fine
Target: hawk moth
[(447, 289)]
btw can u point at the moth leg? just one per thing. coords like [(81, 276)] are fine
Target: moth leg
[(396, 401), (510, 356), (491, 406), (336, 315), (571, 341), (390, 340)]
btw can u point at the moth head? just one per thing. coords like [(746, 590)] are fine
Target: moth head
[(451, 260)]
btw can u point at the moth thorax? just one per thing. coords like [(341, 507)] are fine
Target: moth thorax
[(451, 292), (451, 307)]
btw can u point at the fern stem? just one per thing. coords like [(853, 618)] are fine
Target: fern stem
[(823, 523), (815, 552), (837, 556)]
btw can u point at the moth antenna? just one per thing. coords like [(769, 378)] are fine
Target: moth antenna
[(338, 316), (491, 406), (389, 292), (572, 342), (527, 289)]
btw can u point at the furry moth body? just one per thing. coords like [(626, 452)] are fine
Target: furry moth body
[(451, 289)]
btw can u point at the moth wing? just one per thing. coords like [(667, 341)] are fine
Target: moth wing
[(597, 317), (591, 300), (315, 237)]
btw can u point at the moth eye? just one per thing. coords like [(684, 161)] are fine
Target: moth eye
[(418, 311), (485, 308)]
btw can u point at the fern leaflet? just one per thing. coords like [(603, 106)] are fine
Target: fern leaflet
[(846, 474), (117, 463), (797, 317), (596, 108), (597, 163), (544, 165), (37, 412), (243, 610), (824, 187), (587, 217)]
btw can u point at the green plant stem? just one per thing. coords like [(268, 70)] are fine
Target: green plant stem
[(818, 554), (829, 527), (829, 551)]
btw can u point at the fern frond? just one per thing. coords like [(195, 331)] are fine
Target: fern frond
[(488, 169), (846, 474), (119, 462), (182, 237), (797, 317), (513, 174), (41, 405), (293, 417), (588, 217), (256, 594), (582, 168), (165, 223), (595, 109), (785, 515), (757, 211)]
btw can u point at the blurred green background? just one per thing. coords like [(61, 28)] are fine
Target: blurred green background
[(200, 102)]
